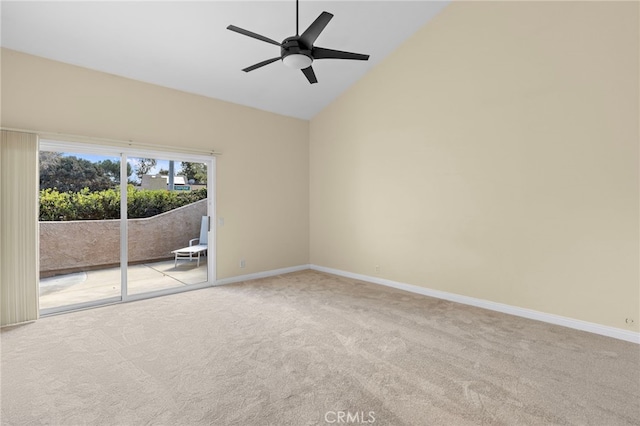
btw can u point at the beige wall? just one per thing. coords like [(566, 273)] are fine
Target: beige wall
[(262, 176), (494, 155)]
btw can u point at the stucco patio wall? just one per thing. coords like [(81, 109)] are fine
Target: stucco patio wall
[(93, 244)]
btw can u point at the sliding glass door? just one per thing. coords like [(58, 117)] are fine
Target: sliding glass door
[(79, 229), (120, 226), (168, 225)]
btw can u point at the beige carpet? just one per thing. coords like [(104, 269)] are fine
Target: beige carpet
[(298, 349)]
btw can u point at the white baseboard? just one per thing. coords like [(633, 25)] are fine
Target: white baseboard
[(616, 333), (264, 274)]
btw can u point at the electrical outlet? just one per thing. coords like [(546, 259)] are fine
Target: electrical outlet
[(242, 263), (377, 269)]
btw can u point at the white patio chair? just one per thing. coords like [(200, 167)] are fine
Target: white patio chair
[(197, 246)]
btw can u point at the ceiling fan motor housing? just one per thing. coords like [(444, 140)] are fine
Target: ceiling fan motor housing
[(293, 46)]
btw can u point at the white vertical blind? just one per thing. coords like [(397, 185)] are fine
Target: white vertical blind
[(19, 255)]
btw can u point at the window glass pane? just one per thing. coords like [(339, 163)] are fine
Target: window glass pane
[(79, 228), (167, 224)]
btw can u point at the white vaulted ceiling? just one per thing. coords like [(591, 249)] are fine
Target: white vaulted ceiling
[(186, 46)]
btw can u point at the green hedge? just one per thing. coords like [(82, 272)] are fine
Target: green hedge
[(100, 205)]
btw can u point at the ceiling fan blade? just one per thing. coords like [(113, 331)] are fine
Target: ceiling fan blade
[(261, 64), (311, 34), (252, 34), (311, 76), (322, 53)]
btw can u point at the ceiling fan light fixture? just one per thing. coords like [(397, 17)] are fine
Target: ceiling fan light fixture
[(297, 61)]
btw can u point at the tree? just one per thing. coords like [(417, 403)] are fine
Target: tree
[(195, 171), (112, 169), (143, 166), (163, 172), (49, 160), (71, 174)]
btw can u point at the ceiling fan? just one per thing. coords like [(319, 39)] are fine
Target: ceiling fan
[(298, 51)]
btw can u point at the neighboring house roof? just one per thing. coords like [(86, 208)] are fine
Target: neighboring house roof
[(177, 180)]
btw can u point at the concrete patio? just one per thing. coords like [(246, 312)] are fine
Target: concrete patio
[(81, 287)]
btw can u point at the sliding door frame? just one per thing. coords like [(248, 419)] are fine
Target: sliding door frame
[(123, 154), (210, 161)]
